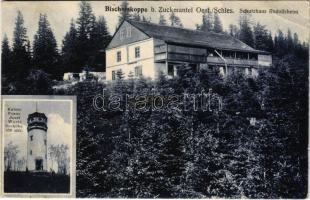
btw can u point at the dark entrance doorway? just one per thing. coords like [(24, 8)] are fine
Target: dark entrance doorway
[(194, 67), (170, 70), (39, 164)]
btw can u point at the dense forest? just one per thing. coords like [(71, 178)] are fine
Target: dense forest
[(177, 153), (173, 152)]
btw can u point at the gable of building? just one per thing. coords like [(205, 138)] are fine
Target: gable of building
[(126, 34)]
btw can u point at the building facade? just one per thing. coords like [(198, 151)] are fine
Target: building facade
[(147, 49), (37, 142)]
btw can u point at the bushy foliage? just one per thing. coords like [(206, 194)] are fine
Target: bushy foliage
[(190, 153)]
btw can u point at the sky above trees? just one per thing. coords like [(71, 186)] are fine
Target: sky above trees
[(61, 13)]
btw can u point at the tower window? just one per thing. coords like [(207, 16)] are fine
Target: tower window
[(30, 152), (31, 137), (137, 52)]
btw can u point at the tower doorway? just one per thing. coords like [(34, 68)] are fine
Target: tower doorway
[(39, 164)]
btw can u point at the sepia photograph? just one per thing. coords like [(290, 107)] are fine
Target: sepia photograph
[(190, 99), (38, 144)]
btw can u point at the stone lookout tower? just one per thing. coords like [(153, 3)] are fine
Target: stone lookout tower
[(37, 142)]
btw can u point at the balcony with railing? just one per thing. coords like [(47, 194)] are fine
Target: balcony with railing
[(160, 49), (232, 61), (174, 53), (166, 52), (171, 56)]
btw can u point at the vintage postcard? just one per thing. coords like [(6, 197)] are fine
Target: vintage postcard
[(175, 99), (38, 140)]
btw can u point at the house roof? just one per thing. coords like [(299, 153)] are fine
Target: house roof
[(193, 37)]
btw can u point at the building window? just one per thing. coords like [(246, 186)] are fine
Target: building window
[(128, 31), (138, 71), (113, 75), (137, 52), (30, 152), (31, 137), (45, 142), (171, 70), (118, 56)]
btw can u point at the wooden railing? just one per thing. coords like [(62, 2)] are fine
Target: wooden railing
[(187, 57), (161, 54), (231, 61), (160, 48)]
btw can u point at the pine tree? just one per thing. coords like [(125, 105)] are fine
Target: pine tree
[(136, 17), (270, 42), (217, 24), (246, 33), (280, 45), (20, 57), (207, 24), (85, 26), (296, 40), (68, 51), (100, 35), (289, 40), (275, 43), (162, 20), (175, 20), (102, 31), (233, 31), (124, 14), (6, 56), (45, 52), (20, 38), (260, 37), (281, 38), (86, 20), (100, 38)]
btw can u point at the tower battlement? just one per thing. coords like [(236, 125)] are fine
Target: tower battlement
[(37, 120)]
